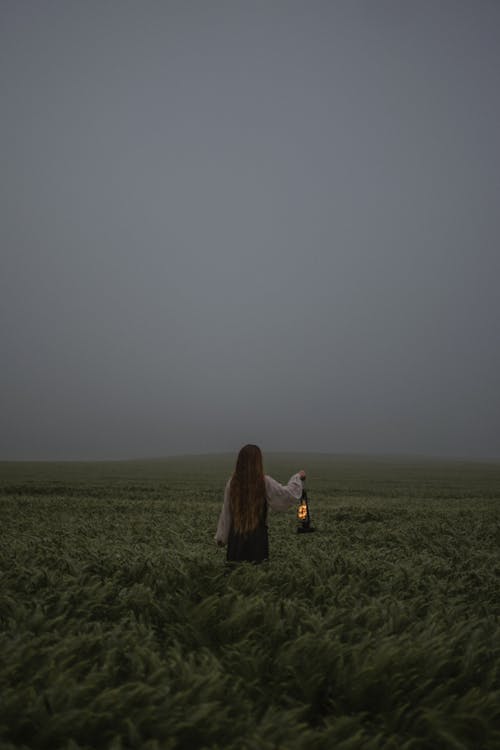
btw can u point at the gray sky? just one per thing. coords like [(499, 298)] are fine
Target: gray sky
[(231, 222)]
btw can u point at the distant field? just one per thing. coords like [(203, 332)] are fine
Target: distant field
[(121, 629)]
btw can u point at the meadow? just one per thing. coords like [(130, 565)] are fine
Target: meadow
[(120, 626)]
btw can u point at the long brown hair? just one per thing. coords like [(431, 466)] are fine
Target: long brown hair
[(247, 491)]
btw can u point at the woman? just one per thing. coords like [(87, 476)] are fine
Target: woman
[(243, 518)]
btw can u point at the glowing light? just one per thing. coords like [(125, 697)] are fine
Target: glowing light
[(302, 512)]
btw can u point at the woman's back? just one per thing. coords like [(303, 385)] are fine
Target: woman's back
[(242, 522)]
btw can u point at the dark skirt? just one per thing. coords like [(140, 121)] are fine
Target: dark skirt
[(251, 547)]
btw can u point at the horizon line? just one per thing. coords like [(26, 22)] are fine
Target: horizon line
[(388, 455)]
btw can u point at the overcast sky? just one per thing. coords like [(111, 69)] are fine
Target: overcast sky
[(261, 221)]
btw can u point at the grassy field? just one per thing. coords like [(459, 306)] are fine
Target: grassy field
[(120, 627)]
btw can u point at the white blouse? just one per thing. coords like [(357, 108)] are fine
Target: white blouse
[(279, 497)]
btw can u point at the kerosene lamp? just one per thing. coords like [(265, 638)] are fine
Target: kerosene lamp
[(303, 515)]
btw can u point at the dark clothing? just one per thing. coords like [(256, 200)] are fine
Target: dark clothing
[(251, 547)]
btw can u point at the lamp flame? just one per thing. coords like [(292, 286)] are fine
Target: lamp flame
[(302, 512)]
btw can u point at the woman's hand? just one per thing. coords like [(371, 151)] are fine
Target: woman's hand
[(302, 475)]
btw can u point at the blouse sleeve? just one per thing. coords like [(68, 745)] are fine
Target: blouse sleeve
[(222, 533), (282, 497)]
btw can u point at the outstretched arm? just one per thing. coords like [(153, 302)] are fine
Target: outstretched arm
[(282, 497)]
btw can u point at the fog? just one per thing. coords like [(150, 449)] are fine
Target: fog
[(231, 222)]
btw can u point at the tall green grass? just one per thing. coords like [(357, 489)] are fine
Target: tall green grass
[(121, 627)]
